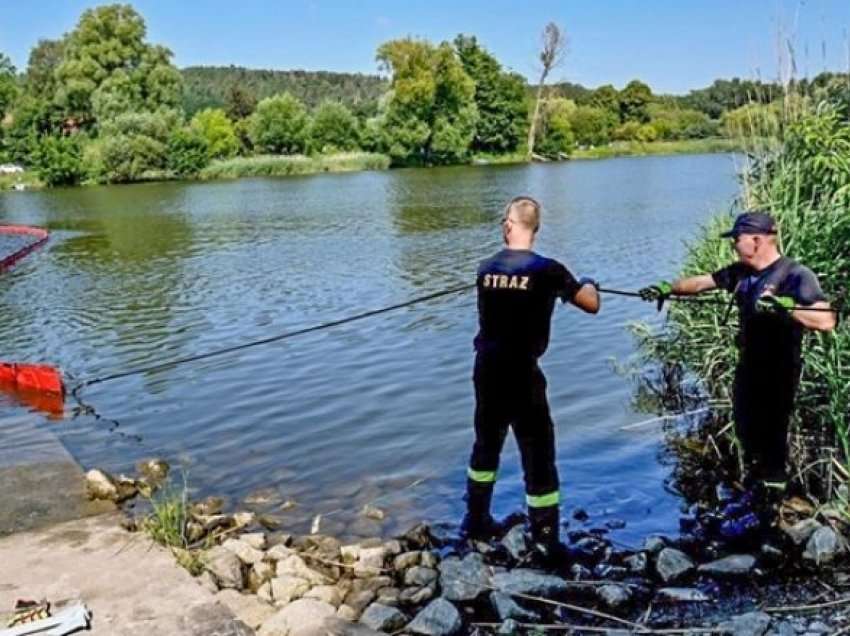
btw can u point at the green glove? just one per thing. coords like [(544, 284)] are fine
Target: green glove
[(659, 291), (775, 304)]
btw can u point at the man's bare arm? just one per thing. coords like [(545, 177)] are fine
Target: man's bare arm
[(694, 285)]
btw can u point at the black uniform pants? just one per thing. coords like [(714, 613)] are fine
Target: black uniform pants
[(512, 393), (762, 407)]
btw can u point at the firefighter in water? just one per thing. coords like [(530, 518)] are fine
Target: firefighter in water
[(517, 290)]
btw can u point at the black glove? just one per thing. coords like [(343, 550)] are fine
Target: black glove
[(659, 292)]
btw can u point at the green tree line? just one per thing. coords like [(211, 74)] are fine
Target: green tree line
[(102, 104)]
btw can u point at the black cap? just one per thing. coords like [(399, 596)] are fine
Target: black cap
[(752, 223)]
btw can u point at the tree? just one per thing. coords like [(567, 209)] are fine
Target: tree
[(605, 97), (187, 152), (634, 100), (333, 128), (279, 125), (499, 97), (58, 160), (8, 85), (555, 134), (134, 144), (44, 59), (592, 126), (551, 55), (107, 66), (239, 102), (218, 133), (429, 114)]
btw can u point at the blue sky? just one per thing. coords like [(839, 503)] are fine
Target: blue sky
[(673, 45)]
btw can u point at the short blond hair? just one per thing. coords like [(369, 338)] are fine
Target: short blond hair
[(527, 211)]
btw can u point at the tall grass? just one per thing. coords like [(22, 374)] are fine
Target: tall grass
[(804, 180), (283, 165), (638, 148)]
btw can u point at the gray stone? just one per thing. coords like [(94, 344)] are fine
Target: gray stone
[(614, 596), (211, 618), (154, 470), (246, 554), (286, 588), (279, 552), (429, 560), (464, 580), (516, 542), (294, 565), (750, 624), (418, 575), (373, 585), (682, 595), (388, 596), (416, 595), (370, 562), (784, 628), (225, 567), (304, 617), (823, 546), (654, 544), (819, 627), (326, 593), (256, 540), (525, 581), (382, 618), (348, 613), (407, 560), (730, 566), (801, 531), (359, 600), (439, 618), (101, 485), (506, 607), (673, 564), (637, 563), (246, 607)]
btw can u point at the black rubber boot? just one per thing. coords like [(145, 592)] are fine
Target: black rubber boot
[(477, 524), (545, 537)]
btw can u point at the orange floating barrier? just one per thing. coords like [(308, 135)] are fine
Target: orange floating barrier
[(39, 234), (40, 378)]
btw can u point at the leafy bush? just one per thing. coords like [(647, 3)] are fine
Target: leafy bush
[(334, 128), (217, 130), (59, 161), (188, 152), (279, 125)]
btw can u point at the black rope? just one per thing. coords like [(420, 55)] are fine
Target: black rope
[(702, 300), (277, 338)]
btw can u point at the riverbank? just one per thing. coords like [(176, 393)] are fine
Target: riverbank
[(638, 148)]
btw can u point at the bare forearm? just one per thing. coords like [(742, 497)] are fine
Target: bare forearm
[(816, 320), (694, 285)]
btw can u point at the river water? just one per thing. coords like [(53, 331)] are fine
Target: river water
[(373, 411)]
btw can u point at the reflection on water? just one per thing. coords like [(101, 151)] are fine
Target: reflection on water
[(378, 410)]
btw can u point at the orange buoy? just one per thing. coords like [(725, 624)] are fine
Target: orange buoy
[(39, 235), (40, 378)]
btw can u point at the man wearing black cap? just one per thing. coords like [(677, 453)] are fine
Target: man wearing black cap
[(772, 293)]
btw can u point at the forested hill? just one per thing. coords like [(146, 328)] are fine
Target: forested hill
[(209, 86)]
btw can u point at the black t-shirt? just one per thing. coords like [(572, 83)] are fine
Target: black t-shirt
[(516, 296), (770, 342)]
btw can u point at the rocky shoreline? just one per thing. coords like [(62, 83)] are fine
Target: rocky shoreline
[(427, 581)]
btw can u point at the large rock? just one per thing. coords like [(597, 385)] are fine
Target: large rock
[(823, 546), (382, 618), (370, 562), (516, 543), (673, 564), (418, 575), (154, 470), (750, 624), (637, 563), (246, 607), (407, 560), (225, 567), (247, 554), (801, 531), (286, 588), (614, 596), (507, 608), (329, 594), (102, 485), (294, 565), (730, 566), (524, 581), (464, 580), (439, 618), (304, 617)]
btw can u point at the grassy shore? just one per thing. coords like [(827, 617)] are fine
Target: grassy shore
[(638, 148), (27, 179), (282, 165)]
